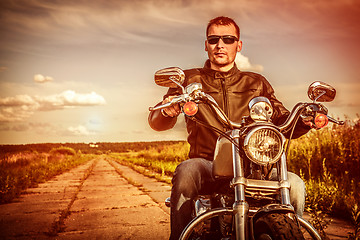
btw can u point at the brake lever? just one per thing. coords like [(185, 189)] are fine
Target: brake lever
[(335, 121), (173, 101)]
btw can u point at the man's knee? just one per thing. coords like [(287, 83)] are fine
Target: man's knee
[(189, 175)]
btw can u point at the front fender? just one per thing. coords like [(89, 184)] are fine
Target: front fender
[(273, 208), (309, 228)]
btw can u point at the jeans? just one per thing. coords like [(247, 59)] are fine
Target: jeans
[(194, 177)]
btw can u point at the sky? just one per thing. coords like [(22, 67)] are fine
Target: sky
[(82, 71)]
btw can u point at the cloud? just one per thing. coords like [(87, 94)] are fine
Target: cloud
[(21, 107), (130, 19), (42, 79), (112, 21), (67, 99), (80, 131), (244, 64), (39, 127)]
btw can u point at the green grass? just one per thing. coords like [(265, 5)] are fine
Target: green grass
[(162, 159), (27, 169)]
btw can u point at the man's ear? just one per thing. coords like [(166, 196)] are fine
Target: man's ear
[(206, 48), (239, 46)]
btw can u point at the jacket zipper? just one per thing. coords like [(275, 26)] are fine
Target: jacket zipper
[(226, 110)]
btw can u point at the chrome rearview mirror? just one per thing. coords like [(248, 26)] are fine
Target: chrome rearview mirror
[(321, 92), (170, 77)]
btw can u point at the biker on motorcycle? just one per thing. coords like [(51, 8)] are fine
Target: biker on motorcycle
[(232, 89)]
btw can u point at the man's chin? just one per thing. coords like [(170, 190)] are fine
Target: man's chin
[(221, 64)]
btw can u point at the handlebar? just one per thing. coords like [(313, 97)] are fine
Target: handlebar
[(286, 126)]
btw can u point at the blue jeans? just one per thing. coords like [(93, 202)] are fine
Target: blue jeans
[(194, 177)]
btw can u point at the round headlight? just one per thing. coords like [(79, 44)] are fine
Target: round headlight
[(264, 145), (260, 109)]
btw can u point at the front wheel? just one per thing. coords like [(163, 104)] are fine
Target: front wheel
[(214, 224), (277, 226)]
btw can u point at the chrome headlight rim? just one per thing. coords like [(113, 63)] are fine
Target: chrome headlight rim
[(280, 151)]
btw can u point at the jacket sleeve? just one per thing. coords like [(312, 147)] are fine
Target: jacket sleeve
[(159, 122), (281, 113)]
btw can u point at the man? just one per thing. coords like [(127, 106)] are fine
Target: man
[(232, 89)]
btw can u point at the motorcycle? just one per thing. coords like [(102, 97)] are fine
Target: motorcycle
[(252, 206)]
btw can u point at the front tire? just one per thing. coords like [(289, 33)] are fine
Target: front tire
[(277, 226)]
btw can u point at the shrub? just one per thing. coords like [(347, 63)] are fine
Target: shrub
[(63, 151)]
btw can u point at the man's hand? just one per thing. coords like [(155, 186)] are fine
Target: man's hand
[(308, 121), (171, 111)]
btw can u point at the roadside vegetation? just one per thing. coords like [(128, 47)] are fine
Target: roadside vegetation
[(26, 169), (159, 161), (329, 161)]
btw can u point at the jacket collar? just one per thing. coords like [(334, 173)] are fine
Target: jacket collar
[(216, 74)]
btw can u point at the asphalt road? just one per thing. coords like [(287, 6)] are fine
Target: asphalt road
[(98, 200)]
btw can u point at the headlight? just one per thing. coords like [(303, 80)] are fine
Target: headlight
[(264, 145), (260, 109)]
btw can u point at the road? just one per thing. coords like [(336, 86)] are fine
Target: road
[(98, 200), (93, 201)]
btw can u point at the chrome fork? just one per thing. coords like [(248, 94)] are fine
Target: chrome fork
[(240, 207)]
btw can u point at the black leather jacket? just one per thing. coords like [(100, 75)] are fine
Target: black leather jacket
[(232, 90)]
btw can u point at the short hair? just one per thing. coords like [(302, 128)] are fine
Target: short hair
[(224, 21)]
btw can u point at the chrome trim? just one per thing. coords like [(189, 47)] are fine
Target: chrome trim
[(260, 109), (221, 114), (309, 228), (191, 88), (283, 178), (255, 184), (292, 118), (322, 92), (170, 77)]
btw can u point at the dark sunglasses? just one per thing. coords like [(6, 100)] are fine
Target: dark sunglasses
[(227, 39)]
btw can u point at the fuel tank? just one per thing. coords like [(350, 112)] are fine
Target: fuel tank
[(223, 161)]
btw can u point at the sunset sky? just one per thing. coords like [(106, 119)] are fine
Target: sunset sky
[(82, 71)]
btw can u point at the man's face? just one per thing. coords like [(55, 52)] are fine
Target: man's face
[(222, 55)]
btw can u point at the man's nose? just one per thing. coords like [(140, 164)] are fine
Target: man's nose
[(220, 43)]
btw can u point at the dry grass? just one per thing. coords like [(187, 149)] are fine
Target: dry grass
[(26, 169)]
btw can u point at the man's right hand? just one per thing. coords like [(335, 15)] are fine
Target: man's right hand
[(171, 111)]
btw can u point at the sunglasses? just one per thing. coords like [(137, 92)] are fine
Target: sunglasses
[(227, 39)]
